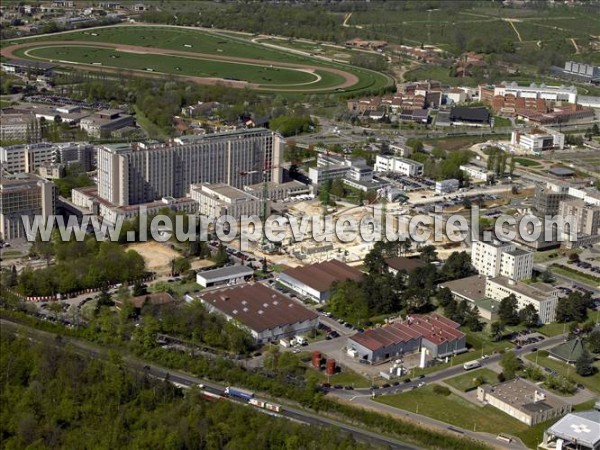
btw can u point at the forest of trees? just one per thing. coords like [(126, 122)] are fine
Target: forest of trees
[(52, 398), (382, 292), (79, 265)]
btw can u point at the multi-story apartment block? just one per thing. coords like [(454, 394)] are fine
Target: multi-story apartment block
[(217, 200), (19, 128), (587, 216), (496, 258), (516, 264), (543, 297), (130, 174), (28, 158), (24, 195), (407, 167), (547, 198)]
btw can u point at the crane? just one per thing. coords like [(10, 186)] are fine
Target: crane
[(265, 197)]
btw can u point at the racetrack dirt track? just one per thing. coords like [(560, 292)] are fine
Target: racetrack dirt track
[(349, 78)]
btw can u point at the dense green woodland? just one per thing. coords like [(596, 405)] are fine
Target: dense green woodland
[(52, 398)]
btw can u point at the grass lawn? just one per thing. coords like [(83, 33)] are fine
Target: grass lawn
[(346, 378), (210, 43), (459, 142), (179, 65), (466, 381), (592, 383), (180, 288), (574, 274), (527, 162), (501, 122), (553, 329), (454, 410), (11, 254), (539, 257)]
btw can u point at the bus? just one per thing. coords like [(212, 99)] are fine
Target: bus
[(471, 365)]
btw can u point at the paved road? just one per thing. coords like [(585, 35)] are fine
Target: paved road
[(363, 397), (88, 349)]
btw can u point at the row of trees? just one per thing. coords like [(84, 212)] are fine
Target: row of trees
[(443, 165)]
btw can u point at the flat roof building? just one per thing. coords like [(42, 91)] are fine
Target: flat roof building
[(523, 400), (224, 275), (24, 195), (578, 430), (130, 174), (543, 297), (317, 280), (265, 313), (401, 263), (220, 199), (407, 167)]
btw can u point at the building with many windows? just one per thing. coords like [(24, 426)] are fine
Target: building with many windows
[(406, 167), (501, 258), (24, 195), (543, 297), (130, 174), (27, 158), (538, 140), (219, 199)]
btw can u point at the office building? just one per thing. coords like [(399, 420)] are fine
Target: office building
[(264, 312), (547, 198), (587, 216), (496, 258), (220, 199), (406, 167), (533, 91), (27, 158), (130, 174), (439, 335), (105, 122), (582, 72), (543, 297), (523, 400), (19, 128), (447, 186), (24, 195), (278, 191), (538, 140), (476, 173)]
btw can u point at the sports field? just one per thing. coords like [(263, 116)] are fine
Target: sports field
[(195, 55)]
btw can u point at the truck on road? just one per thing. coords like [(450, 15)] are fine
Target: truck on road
[(239, 393)]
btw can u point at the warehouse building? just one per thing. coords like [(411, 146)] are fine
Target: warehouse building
[(437, 334), (224, 275), (265, 313), (317, 280), (524, 401)]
